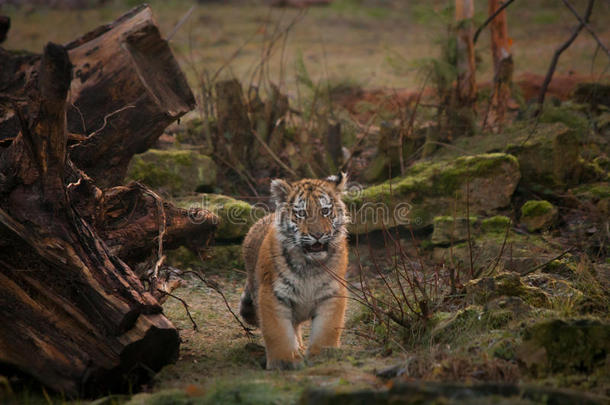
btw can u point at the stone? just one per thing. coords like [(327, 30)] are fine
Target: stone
[(430, 189), (236, 216), (568, 346), (448, 230), (482, 290), (548, 153), (538, 215), (173, 172), (495, 225)]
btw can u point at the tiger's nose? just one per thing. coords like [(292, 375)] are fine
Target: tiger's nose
[(317, 235)]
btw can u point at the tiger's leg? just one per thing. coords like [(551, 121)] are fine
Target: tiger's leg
[(327, 324), (298, 332), (281, 342)]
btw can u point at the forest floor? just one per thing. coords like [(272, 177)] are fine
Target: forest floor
[(374, 45)]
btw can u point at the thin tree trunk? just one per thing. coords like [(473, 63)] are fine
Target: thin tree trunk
[(503, 63), (466, 85)]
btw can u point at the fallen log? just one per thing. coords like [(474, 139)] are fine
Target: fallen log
[(78, 319), (127, 89)]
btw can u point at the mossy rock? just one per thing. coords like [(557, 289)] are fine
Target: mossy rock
[(448, 328), (482, 290), (567, 346), (449, 230), (236, 216), (568, 114), (564, 268), (495, 225), (164, 397), (538, 215), (554, 287), (175, 172), (548, 153), (430, 189)]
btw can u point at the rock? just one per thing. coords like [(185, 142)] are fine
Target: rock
[(236, 216), (165, 397), (593, 93), (595, 193), (175, 172), (516, 305), (482, 290), (538, 215), (548, 153), (564, 268), (569, 346), (428, 392), (430, 189), (448, 230), (495, 225), (387, 156), (451, 325), (554, 287)]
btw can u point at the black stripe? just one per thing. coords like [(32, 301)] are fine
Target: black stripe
[(325, 297), (287, 282), (287, 302)]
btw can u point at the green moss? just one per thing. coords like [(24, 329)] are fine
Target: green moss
[(495, 225), (534, 208), (236, 216), (429, 189), (567, 115), (504, 349), (173, 171), (595, 191), (483, 290), (574, 346), (452, 326)]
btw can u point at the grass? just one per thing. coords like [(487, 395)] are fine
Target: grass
[(350, 38)]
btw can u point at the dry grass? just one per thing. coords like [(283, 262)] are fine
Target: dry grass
[(359, 42)]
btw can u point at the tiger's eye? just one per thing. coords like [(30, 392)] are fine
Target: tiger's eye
[(300, 213), (325, 211)]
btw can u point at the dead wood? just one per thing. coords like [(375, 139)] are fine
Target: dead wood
[(79, 319)]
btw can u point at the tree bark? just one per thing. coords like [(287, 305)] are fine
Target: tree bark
[(77, 318), (127, 89), (503, 63), (466, 86)]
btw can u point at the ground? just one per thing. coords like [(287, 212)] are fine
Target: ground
[(522, 278), (365, 42)]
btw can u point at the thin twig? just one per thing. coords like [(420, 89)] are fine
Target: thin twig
[(587, 26), (559, 256), (216, 288), (273, 155), (162, 226), (559, 51), (182, 21), (502, 248), (468, 223), (184, 303), (112, 114), (490, 19)]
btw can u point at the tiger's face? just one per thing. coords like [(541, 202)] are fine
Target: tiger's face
[(310, 214)]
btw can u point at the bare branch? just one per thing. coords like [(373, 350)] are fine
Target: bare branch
[(490, 19), (559, 51)]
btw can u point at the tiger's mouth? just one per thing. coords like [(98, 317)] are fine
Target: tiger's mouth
[(316, 247)]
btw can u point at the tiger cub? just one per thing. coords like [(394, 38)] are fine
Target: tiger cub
[(296, 260)]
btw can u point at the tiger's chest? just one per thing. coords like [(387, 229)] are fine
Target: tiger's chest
[(303, 293)]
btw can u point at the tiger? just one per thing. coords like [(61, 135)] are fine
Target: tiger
[(296, 259)]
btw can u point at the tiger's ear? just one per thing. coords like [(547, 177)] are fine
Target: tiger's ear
[(279, 191), (339, 180)]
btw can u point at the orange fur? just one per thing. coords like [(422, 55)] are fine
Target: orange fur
[(287, 284)]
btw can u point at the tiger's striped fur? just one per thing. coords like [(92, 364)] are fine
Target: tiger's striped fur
[(296, 260)]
